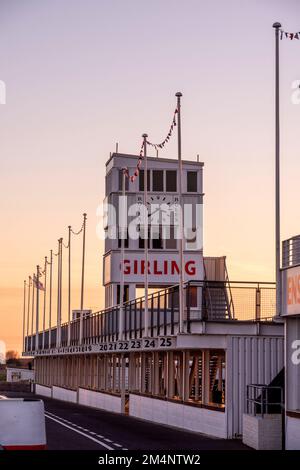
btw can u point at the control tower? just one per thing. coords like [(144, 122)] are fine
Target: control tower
[(163, 242)]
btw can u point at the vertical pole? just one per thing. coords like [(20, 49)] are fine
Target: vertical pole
[(28, 312), (58, 328), (181, 231), (83, 261), (50, 296), (24, 315), (32, 314), (69, 287), (277, 26), (122, 234), (37, 307), (146, 235), (45, 301)]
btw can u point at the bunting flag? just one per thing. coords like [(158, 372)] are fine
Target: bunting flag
[(169, 134), (137, 168), (291, 36), (38, 284), (156, 146)]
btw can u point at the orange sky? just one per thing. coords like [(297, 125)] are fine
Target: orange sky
[(81, 77)]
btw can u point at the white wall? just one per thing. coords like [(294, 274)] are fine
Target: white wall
[(15, 374), (188, 417), (64, 394), (292, 440), (103, 401), (43, 390)]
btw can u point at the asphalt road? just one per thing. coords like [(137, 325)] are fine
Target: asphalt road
[(75, 427)]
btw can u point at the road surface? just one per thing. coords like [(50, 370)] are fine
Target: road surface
[(75, 427)]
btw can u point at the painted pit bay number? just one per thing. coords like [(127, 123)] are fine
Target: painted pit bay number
[(136, 344)]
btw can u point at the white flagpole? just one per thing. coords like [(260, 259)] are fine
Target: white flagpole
[(32, 313), (69, 286), (24, 315), (58, 327), (181, 238), (146, 235), (50, 297), (277, 27), (83, 262), (45, 300), (37, 308), (28, 313)]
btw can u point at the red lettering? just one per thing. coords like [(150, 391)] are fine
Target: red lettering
[(174, 268), (190, 268), (155, 268), (127, 269)]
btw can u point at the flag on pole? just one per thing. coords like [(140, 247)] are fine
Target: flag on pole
[(38, 284)]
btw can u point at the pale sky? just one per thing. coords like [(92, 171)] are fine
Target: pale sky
[(83, 74)]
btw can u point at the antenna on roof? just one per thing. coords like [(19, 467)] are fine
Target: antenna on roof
[(198, 157), (117, 147)]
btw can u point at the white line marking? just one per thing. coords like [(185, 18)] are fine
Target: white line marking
[(118, 445), (80, 432)]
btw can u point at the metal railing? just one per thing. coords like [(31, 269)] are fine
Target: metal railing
[(264, 399), (291, 252), (204, 301)]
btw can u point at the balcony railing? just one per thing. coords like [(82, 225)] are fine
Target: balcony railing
[(291, 252), (204, 301)]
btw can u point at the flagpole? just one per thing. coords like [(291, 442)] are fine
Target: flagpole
[(32, 313), (28, 312), (69, 287), (45, 299), (277, 27), (58, 294), (37, 308), (146, 234), (24, 315), (83, 261), (50, 297), (181, 238)]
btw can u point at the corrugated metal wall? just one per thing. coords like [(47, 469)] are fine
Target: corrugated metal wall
[(250, 360)]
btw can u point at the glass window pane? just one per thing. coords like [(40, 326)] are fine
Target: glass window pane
[(121, 181), (157, 180), (192, 181), (171, 180), (141, 180)]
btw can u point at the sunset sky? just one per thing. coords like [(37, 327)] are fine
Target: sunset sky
[(84, 74)]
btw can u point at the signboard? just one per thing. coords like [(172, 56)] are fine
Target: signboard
[(291, 291), (160, 343), (162, 267)]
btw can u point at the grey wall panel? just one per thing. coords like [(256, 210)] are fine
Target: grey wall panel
[(255, 360)]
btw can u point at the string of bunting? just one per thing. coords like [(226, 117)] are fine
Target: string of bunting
[(156, 146), (291, 36), (137, 168), (169, 134)]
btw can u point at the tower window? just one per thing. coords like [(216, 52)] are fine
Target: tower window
[(192, 182), (121, 181), (171, 180), (141, 180), (157, 180)]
